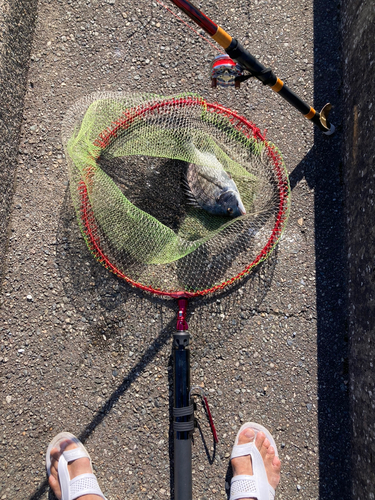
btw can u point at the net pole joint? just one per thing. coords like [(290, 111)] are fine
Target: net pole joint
[(181, 316)]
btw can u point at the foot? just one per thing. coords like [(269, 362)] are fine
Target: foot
[(75, 468), (242, 465)]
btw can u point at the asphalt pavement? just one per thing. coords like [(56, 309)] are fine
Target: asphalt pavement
[(82, 351)]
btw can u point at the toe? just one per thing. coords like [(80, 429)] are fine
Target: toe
[(259, 440), (264, 448), (54, 456), (246, 436), (67, 444), (272, 465), (276, 464), (53, 478), (270, 452), (262, 443), (54, 466), (242, 465), (55, 486), (269, 455)]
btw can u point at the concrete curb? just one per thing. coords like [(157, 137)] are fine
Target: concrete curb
[(358, 30), (17, 29)]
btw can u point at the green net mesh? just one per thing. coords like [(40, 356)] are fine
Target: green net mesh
[(127, 156)]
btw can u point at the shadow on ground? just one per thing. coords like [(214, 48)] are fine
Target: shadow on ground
[(322, 169), (86, 283), (17, 25)]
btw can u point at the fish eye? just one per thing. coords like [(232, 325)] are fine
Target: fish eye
[(230, 210)]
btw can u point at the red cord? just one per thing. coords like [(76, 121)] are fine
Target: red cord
[(212, 425)]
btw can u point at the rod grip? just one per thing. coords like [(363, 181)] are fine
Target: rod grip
[(243, 57), (183, 417), (183, 484)]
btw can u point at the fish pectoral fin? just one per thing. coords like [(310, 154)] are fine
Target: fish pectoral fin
[(185, 184), (191, 200), (186, 188), (193, 203)]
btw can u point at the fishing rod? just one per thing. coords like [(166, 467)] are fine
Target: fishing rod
[(229, 71)]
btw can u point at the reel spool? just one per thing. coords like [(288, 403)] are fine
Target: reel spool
[(225, 72)]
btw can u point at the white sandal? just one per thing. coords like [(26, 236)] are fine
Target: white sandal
[(257, 485), (85, 484)]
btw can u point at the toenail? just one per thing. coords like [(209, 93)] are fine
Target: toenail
[(248, 433)]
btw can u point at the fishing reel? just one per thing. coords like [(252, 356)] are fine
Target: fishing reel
[(227, 73)]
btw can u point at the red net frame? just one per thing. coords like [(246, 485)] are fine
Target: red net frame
[(242, 125)]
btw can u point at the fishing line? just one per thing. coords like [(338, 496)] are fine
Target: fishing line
[(188, 25)]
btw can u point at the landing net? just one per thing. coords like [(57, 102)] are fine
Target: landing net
[(127, 157)]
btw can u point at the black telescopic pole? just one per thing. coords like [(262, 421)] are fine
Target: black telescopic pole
[(243, 57), (183, 410)]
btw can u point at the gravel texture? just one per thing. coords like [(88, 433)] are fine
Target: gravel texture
[(82, 351)]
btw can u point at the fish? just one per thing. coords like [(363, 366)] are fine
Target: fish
[(212, 189)]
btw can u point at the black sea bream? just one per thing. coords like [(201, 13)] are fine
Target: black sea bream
[(213, 189)]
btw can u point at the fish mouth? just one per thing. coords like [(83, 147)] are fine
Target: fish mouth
[(241, 208)]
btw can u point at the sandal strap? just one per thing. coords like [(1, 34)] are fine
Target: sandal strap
[(260, 476), (239, 450), (243, 486), (74, 454), (85, 484)]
